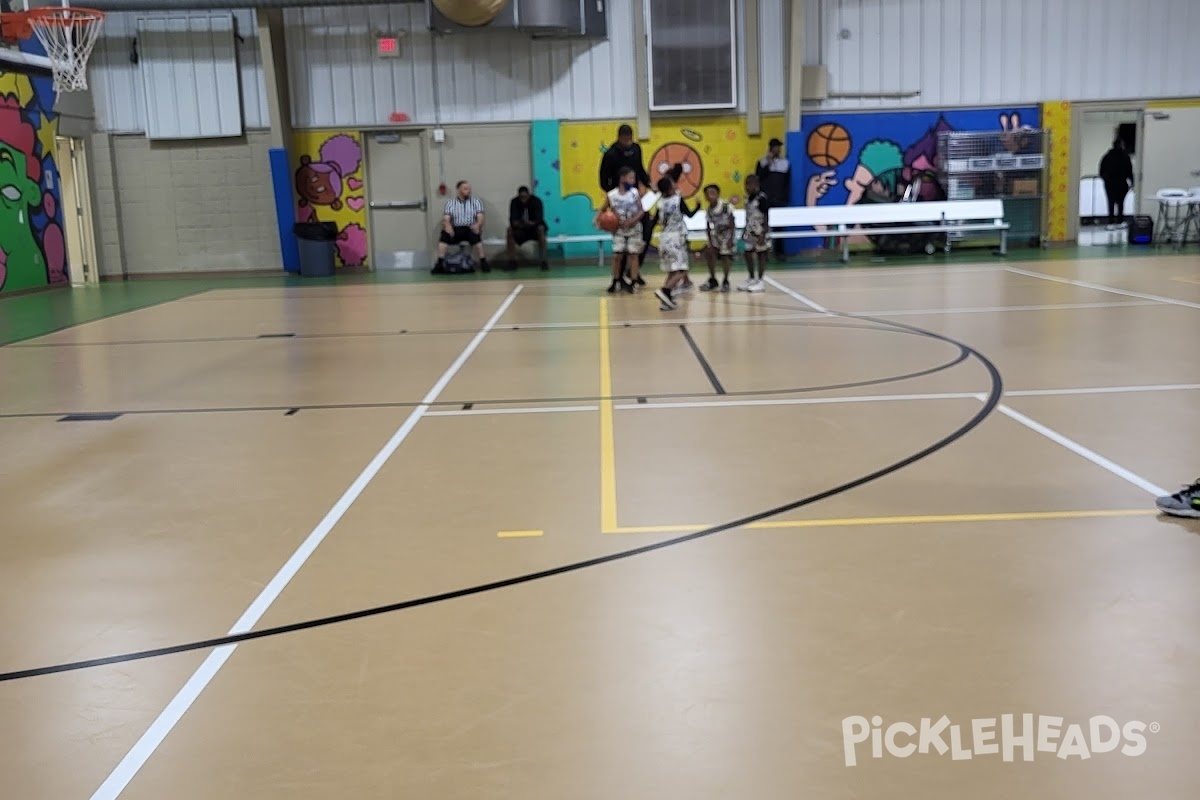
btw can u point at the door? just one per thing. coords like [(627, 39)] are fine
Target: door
[(400, 231), (1170, 154), (71, 160)]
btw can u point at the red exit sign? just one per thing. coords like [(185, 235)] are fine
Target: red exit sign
[(387, 46)]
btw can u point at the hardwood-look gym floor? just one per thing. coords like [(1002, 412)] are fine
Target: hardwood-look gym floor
[(602, 551)]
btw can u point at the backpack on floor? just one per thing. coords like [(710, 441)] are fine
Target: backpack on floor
[(458, 263)]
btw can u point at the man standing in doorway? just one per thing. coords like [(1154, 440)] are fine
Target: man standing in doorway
[(775, 180), (1116, 171), (625, 152)]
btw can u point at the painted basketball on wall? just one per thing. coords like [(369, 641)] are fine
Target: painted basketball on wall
[(674, 153), (472, 13), (829, 145)]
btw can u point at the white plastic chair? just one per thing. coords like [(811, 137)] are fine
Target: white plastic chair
[(1193, 217), (1174, 206)]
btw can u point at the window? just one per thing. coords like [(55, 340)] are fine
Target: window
[(692, 57)]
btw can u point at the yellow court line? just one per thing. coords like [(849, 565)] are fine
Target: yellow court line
[(842, 522), (608, 457), (518, 534)]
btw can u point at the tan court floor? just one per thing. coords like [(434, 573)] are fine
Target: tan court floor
[(255, 480)]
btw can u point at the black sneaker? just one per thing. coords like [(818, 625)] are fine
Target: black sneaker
[(709, 285), (666, 302), (614, 287), (725, 285), (640, 281), (628, 286), (1184, 503)]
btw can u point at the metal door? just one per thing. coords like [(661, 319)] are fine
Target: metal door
[(400, 228)]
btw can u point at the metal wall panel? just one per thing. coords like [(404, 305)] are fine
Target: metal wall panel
[(772, 61), (498, 76), (116, 82), (983, 52)]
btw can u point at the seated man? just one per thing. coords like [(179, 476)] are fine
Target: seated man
[(462, 221), (526, 223)]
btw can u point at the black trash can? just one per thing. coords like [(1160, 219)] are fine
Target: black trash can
[(318, 248)]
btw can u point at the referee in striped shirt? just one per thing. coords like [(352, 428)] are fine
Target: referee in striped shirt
[(462, 221)]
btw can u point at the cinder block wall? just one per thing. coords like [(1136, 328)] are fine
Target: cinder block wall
[(189, 206)]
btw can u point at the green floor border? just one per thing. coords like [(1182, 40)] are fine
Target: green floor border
[(31, 315)]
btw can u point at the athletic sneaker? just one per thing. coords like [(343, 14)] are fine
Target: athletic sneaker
[(745, 285), (709, 285), (667, 303), (1184, 503), (756, 286), (725, 286)]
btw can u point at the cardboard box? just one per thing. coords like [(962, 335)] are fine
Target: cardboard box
[(1025, 187)]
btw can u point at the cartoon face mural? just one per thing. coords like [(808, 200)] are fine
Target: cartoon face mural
[(884, 167), (328, 180), (876, 157), (32, 245)]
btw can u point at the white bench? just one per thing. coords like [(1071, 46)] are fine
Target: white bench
[(599, 238), (842, 221), (697, 224)]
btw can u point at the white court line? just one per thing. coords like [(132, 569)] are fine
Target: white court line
[(796, 295), (1078, 449), (801, 401), (997, 309), (153, 737), (477, 412), (1101, 288), (821, 401), (1160, 387)]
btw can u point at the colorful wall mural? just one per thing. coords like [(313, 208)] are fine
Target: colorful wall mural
[(566, 163), (33, 251), (330, 186), (841, 158), (1056, 118)]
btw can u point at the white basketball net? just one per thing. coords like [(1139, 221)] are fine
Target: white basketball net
[(68, 36)]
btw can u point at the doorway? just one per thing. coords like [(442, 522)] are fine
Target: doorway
[(396, 181), (76, 195), (1098, 129)]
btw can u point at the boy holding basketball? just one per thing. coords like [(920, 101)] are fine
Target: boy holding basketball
[(626, 202), (722, 238), (757, 235)]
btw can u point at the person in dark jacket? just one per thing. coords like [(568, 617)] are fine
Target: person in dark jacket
[(526, 223), (775, 180), (1116, 172), (625, 152)]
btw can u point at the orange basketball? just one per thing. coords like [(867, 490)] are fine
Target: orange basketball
[(669, 155), (607, 221), (829, 145)]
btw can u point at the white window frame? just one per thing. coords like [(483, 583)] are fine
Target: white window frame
[(734, 78)]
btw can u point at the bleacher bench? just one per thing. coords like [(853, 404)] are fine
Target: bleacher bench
[(843, 222)]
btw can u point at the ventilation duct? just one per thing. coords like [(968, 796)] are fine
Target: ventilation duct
[(538, 18)]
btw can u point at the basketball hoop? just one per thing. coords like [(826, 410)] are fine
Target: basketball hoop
[(67, 33)]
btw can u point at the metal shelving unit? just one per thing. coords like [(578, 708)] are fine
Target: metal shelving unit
[(1009, 165)]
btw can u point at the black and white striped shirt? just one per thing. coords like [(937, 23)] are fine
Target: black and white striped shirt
[(462, 213)]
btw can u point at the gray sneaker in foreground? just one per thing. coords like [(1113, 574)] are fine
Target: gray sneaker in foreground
[(1184, 503)]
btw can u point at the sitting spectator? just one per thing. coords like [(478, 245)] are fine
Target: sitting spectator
[(526, 223), (462, 221)]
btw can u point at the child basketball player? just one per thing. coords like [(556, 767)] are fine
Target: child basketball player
[(722, 238), (757, 235), (673, 251), (626, 202)]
